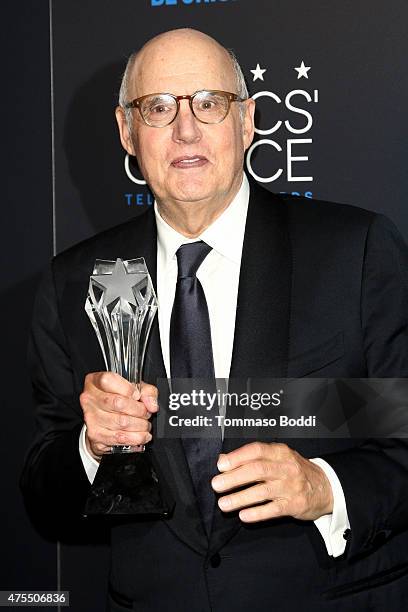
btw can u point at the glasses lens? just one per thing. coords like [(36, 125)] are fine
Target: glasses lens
[(158, 111), (210, 107)]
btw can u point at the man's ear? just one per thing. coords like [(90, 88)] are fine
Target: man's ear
[(124, 133), (248, 123)]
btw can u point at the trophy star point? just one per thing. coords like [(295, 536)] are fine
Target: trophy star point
[(117, 285)]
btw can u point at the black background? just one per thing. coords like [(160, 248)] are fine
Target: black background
[(27, 561)]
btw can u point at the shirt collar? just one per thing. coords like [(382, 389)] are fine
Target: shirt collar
[(225, 235)]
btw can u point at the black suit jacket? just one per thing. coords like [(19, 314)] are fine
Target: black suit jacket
[(323, 292)]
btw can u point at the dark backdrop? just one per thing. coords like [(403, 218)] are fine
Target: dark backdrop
[(65, 177), (26, 560)]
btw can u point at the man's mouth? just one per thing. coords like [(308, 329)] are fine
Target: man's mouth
[(187, 161)]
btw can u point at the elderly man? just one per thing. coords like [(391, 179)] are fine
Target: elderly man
[(282, 288)]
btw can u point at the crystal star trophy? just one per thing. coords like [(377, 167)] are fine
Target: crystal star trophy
[(121, 305)]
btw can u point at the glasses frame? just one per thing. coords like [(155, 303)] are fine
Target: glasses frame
[(231, 97)]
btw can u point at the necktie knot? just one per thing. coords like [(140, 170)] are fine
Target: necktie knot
[(190, 256)]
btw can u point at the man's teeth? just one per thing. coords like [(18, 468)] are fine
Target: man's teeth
[(190, 161)]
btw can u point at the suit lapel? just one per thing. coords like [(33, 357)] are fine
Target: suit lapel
[(261, 339), (262, 318)]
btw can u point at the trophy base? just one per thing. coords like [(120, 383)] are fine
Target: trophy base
[(126, 484)]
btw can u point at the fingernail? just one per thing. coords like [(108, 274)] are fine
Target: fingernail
[(153, 403), (224, 502), (223, 463), (216, 483)]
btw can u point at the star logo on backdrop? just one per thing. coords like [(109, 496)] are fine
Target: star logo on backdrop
[(258, 73), (302, 70)]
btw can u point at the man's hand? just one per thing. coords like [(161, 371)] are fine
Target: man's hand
[(115, 412), (275, 476)]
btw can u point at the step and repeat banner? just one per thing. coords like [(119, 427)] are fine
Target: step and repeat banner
[(330, 82)]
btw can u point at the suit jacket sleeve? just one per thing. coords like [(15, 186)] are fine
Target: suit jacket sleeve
[(53, 482), (374, 475)]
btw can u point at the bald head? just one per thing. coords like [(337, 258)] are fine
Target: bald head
[(183, 48), (192, 165)]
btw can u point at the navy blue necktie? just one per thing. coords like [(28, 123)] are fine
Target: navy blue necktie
[(191, 356)]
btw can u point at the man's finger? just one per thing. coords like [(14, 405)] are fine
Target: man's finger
[(248, 497), (253, 471), (149, 396), (112, 403), (115, 422), (120, 438), (110, 382), (273, 509), (251, 452)]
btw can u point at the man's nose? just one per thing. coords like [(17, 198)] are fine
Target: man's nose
[(186, 127)]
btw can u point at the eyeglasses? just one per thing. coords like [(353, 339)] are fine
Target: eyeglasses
[(161, 109)]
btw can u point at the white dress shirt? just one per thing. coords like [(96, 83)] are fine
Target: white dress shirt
[(219, 277)]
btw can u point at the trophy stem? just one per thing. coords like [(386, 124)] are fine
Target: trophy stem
[(121, 305)]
